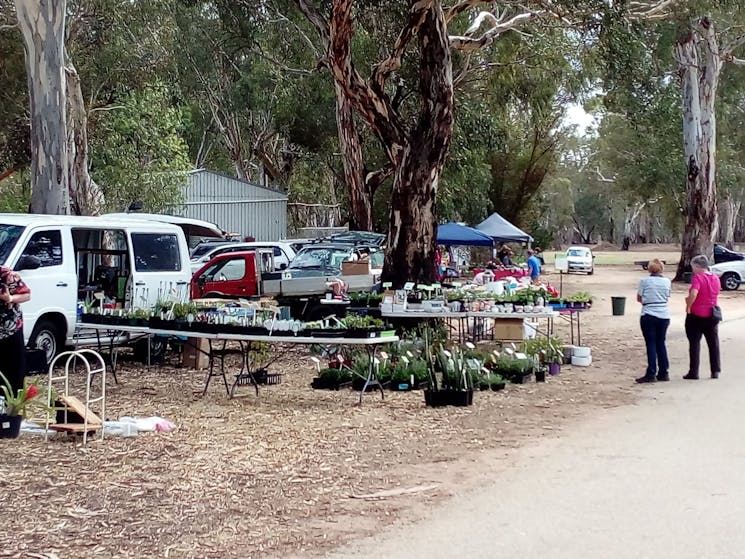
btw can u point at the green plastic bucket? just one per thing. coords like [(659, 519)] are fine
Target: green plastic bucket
[(619, 305)]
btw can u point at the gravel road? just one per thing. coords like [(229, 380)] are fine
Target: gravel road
[(664, 478)]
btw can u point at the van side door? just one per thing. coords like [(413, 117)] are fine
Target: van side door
[(160, 268)]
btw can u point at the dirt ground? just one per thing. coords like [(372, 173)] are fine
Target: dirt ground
[(288, 472)]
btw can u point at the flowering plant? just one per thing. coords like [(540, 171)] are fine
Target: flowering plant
[(24, 399)]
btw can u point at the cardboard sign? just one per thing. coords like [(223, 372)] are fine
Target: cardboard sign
[(561, 264)]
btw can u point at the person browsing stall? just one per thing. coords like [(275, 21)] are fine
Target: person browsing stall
[(654, 293), (13, 292), (534, 266)]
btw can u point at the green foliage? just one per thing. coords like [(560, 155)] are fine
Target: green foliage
[(355, 321), (15, 194), (336, 375), (138, 152)]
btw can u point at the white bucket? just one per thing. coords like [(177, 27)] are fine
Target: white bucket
[(581, 361), (530, 329), (580, 351)]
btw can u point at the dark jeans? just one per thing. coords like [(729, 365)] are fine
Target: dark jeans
[(697, 326), (13, 359), (654, 330)]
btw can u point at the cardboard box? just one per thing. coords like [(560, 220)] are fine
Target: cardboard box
[(195, 355), (509, 329), (355, 268)]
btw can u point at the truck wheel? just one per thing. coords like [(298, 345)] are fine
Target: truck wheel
[(47, 337), (730, 281), (317, 312)]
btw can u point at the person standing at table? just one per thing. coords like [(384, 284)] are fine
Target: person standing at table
[(654, 293), (13, 292), (534, 266), (700, 320)]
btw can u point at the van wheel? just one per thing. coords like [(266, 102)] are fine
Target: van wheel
[(158, 348), (47, 337)]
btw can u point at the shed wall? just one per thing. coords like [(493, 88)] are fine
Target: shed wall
[(266, 220), (235, 206)]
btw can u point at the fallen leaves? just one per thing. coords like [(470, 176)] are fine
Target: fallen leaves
[(292, 469)]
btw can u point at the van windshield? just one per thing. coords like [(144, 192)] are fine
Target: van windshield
[(9, 235)]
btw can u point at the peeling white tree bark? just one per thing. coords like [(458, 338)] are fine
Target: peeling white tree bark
[(86, 196), (730, 214), (699, 68), (42, 24)]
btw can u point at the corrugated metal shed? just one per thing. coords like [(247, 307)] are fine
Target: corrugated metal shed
[(234, 205)]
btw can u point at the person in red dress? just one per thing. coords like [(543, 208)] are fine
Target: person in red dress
[(13, 292), (702, 297)]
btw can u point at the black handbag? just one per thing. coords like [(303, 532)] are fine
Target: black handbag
[(716, 313)]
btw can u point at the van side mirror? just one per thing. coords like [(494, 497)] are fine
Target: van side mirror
[(27, 262), (283, 266)]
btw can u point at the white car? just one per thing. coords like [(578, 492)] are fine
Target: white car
[(283, 253), (731, 274), (580, 259)]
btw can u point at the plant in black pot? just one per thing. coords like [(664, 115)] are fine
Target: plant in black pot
[(496, 382), (332, 378), (15, 407), (457, 381), (517, 371), (364, 326)]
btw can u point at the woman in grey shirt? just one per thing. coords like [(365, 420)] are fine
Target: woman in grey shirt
[(653, 294)]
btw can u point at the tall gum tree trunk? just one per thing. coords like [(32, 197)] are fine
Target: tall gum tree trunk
[(730, 212), (699, 67), (412, 238), (42, 24), (86, 197), (360, 200)]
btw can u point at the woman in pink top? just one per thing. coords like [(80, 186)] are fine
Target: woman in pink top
[(701, 299)]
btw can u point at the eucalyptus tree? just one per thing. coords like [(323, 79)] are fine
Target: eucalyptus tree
[(42, 26), (414, 135), (706, 36)]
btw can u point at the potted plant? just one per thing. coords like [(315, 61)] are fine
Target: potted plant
[(554, 356), (457, 382), (332, 379), (364, 326), (17, 406)]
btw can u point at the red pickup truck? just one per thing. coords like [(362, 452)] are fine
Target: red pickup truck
[(235, 275)]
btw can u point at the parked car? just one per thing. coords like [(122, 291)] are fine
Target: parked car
[(205, 246), (580, 259), (328, 258), (358, 238), (283, 253), (722, 254), (730, 273)]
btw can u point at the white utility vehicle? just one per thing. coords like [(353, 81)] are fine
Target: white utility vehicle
[(580, 259), (65, 260)]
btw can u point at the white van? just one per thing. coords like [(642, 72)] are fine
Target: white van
[(66, 259)]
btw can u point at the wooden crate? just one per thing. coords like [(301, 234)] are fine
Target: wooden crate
[(355, 268), (195, 354)]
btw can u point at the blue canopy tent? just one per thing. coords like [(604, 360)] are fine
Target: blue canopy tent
[(499, 229), (455, 234)]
